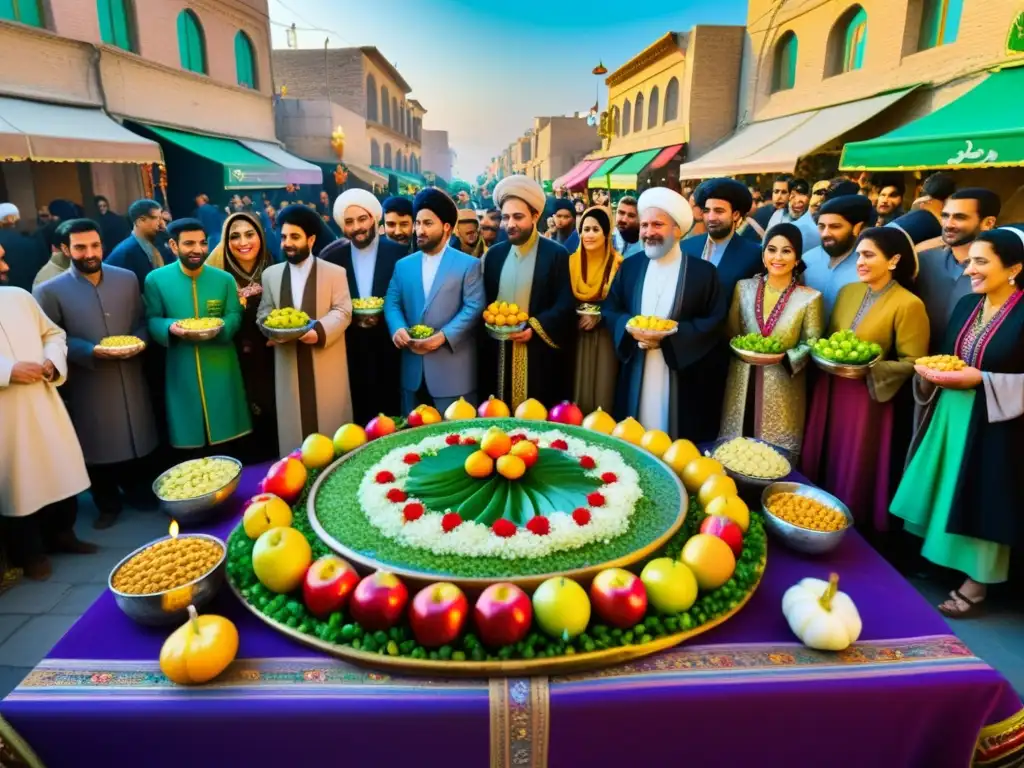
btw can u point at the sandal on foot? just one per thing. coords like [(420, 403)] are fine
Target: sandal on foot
[(974, 607)]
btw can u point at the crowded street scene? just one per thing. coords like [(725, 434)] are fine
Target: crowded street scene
[(499, 410)]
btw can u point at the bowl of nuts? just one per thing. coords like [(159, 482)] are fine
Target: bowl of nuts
[(805, 518), (192, 491), (156, 583)]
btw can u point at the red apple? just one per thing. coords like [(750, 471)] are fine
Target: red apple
[(503, 615), (726, 529), (438, 614), (378, 601), (379, 426), (328, 584), (415, 419), (619, 597), (566, 413), (526, 451), (296, 454), (286, 479)]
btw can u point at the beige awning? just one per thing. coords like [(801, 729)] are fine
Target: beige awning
[(34, 130), (775, 146)]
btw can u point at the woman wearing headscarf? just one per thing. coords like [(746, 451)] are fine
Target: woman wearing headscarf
[(960, 492), (243, 253), (770, 402), (592, 266), (848, 441)]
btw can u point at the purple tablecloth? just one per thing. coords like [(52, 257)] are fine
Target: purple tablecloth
[(908, 694)]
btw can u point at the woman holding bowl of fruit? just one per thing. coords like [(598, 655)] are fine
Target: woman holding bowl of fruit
[(848, 441), (960, 493), (243, 253), (592, 266), (772, 313)]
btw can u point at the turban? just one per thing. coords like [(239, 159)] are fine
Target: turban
[(398, 204), (468, 214), (359, 198), (789, 231), (563, 204), (9, 209), (841, 188), (919, 226), (822, 185), (672, 203), (733, 192), (856, 209), (526, 189), (439, 203), (800, 186)]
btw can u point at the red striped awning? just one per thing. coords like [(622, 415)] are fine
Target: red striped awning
[(576, 179), (665, 157)]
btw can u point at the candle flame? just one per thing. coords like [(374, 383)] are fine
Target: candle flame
[(173, 530)]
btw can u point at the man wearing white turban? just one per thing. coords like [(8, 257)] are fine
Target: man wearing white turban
[(531, 272), (659, 384), (369, 262)]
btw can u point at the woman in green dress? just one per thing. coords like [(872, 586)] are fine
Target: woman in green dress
[(961, 492), (770, 402)]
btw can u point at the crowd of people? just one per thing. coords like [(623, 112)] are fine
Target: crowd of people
[(818, 258)]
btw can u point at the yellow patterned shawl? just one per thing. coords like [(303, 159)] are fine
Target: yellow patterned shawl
[(594, 285)]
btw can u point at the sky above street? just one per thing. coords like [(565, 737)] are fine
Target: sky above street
[(483, 70)]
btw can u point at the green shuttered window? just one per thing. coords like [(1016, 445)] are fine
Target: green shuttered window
[(245, 60), (115, 24), (191, 44), (25, 11), (784, 66)]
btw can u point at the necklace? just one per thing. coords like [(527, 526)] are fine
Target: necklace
[(767, 326)]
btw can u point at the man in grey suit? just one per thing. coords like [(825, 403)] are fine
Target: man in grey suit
[(442, 288)]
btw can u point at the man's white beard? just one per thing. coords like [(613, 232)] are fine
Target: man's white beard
[(660, 250)]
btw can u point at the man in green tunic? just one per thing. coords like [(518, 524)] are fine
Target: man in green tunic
[(206, 402)]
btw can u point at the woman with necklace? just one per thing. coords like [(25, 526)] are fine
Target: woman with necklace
[(848, 441), (960, 492), (770, 402), (591, 269), (243, 253)]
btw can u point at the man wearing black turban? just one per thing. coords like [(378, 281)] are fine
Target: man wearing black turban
[(441, 288), (832, 265), (564, 214)]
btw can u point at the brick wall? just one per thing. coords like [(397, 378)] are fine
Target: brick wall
[(437, 155), (309, 74), (562, 143)]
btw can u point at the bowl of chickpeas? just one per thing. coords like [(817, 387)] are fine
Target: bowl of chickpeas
[(192, 491), (156, 583), (805, 518)]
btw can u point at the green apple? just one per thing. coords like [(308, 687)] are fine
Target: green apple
[(280, 559), (561, 607), (671, 585), (264, 512)]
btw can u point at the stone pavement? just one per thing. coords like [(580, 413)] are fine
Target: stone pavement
[(34, 616)]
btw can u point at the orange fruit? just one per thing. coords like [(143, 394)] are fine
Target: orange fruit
[(511, 467), (710, 559), (499, 320), (495, 443), (489, 317), (630, 430), (656, 442), (679, 454), (697, 471), (732, 507), (599, 421), (479, 464), (522, 317), (715, 486)]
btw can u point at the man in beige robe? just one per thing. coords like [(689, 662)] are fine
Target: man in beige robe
[(311, 374), (42, 468)]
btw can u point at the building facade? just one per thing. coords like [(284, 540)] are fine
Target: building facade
[(559, 143), (437, 154), (196, 65)]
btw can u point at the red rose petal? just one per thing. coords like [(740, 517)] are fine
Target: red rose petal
[(397, 495), (452, 440), (411, 458), (450, 521), (559, 445), (539, 525), (469, 441), (581, 516), (413, 511), (384, 477), (516, 438), (595, 499), (504, 528), (608, 478), (587, 462)]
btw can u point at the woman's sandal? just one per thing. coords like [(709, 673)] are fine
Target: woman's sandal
[(974, 607)]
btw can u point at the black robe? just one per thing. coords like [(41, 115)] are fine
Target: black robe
[(374, 362), (989, 497), (700, 309), (552, 313)]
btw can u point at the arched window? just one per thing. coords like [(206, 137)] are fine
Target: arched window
[(940, 22), (115, 22), (23, 11), (245, 60), (847, 41), (191, 42), (385, 106), (399, 161), (652, 109), (627, 117), (784, 63), (414, 163), (374, 153), (671, 100), (396, 116), (638, 114), (616, 121), (387, 156), (371, 99)]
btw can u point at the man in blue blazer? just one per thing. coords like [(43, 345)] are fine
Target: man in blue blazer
[(442, 288), (138, 252)]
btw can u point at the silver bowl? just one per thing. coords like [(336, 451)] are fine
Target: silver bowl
[(171, 606), (284, 335), (502, 332), (757, 358), (748, 485), (201, 508), (368, 312), (804, 539), (124, 352), (844, 370), (204, 335)]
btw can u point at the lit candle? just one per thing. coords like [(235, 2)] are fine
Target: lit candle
[(173, 530)]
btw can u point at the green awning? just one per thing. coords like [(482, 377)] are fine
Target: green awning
[(243, 168), (625, 176), (599, 179), (984, 128), (404, 177)]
